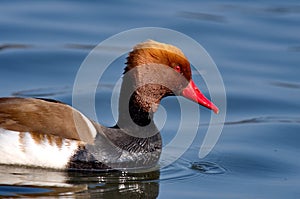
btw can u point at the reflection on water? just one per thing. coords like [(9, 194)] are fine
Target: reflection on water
[(20, 181), (117, 184)]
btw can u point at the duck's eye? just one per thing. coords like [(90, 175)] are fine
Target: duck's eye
[(178, 69)]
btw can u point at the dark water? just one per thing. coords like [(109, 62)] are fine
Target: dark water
[(256, 47)]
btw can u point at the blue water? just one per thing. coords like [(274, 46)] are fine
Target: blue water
[(256, 47)]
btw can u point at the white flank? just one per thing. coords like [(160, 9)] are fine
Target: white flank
[(30, 153)]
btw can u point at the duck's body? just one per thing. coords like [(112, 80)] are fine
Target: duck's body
[(51, 134), (58, 143)]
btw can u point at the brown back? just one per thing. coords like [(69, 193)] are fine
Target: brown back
[(43, 117)]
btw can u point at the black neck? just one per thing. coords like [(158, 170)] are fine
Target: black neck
[(133, 112), (136, 108), (139, 116)]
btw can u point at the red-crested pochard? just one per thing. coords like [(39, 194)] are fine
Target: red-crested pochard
[(50, 134)]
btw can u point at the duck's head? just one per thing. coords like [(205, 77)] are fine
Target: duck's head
[(157, 70)]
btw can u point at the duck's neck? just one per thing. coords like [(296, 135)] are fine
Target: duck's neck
[(140, 115), (137, 105), (134, 108)]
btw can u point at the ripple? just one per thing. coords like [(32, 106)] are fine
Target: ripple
[(261, 120), (80, 46), (265, 119), (203, 16), (185, 170), (42, 92), (177, 172), (283, 9), (274, 10), (55, 91), (14, 46), (294, 48), (286, 85), (91, 47), (207, 167)]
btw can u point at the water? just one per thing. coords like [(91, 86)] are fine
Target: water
[(256, 46)]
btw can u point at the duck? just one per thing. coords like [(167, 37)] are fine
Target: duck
[(46, 133)]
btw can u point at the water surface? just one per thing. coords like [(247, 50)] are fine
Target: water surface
[(256, 47)]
